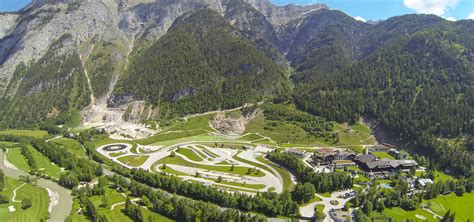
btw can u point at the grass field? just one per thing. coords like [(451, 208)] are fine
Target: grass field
[(6, 144), (320, 209), (71, 145), (133, 160), (315, 199), (261, 166), (190, 154), (44, 164), (32, 133), (383, 155), (197, 122), (225, 169), (398, 214), (117, 213), (39, 198), (358, 134), (116, 154), (251, 137), (244, 185), (462, 206), (440, 176), (15, 157)]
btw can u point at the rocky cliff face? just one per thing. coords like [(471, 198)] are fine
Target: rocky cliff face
[(26, 36), (106, 33)]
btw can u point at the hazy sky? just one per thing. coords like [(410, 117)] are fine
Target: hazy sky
[(360, 9)]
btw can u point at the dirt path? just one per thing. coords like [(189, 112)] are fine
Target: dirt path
[(122, 203), (14, 193)]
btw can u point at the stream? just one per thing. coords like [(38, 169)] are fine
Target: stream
[(60, 204)]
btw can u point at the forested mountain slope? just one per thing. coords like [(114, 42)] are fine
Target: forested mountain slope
[(201, 64), (419, 85), (53, 88)]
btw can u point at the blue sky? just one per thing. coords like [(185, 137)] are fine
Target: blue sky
[(362, 9), (382, 9)]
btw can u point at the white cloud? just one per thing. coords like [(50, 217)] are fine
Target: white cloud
[(437, 7), (452, 19), (471, 16), (358, 18)]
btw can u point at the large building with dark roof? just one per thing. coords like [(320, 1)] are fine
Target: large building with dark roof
[(374, 166)]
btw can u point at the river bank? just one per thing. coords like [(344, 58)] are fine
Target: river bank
[(60, 204)]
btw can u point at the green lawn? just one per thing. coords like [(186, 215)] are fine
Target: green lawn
[(116, 154), (225, 169), (44, 164), (327, 194), (39, 198), (286, 176), (117, 213), (6, 144), (398, 214), (315, 199), (320, 209), (15, 157), (133, 160), (251, 137), (71, 145), (357, 134), (258, 165), (210, 153), (382, 155), (190, 154), (197, 122), (170, 170), (250, 186), (32, 133), (462, 206), (440, 176)]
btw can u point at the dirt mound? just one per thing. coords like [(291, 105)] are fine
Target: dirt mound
[(230, 124)]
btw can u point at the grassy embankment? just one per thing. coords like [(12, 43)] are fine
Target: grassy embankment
[(133, 160), (39, 202)]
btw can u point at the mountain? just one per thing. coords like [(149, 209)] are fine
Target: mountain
[(118, 62), (202, 64), (111, 38)]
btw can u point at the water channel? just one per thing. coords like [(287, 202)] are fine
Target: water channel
[(60, 198)]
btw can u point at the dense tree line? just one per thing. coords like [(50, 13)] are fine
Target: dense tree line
[(80, 169), (322, 182), (419, 86), (3, 198), (26, 152), (459, 187), (268, 203), (172, 206)]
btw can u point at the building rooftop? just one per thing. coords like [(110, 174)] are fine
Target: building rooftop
[(343, 161), (366, 158)]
